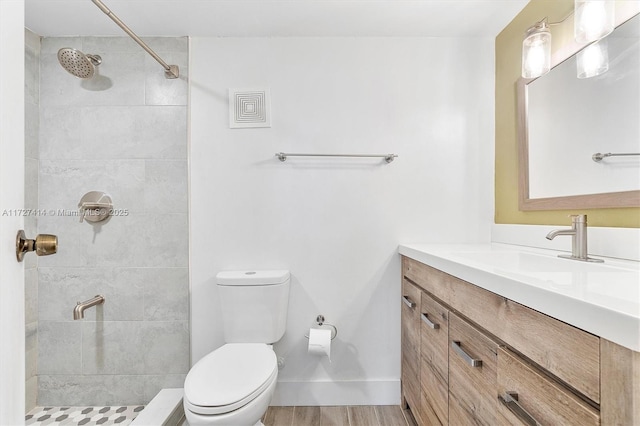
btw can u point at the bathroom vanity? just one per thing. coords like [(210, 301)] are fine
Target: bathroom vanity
[(498, 334)]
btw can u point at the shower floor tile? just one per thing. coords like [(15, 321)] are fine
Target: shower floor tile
[(108, 415)]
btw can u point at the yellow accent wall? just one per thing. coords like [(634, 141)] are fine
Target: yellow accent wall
[(508, 64)]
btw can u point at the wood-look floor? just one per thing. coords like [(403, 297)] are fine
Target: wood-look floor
[(361, 415)]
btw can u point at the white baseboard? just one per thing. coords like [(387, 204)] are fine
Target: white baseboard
[(620, 243), (324, 393)]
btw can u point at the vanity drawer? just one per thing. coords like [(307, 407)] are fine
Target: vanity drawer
[(434, 330), (567, 352), (434, 365), (410, 334), (410, 318), (472, 374), (525, 394)]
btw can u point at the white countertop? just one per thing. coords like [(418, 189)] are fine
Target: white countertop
[(601, 298)]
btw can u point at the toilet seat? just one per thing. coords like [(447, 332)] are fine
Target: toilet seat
[(229, 378)]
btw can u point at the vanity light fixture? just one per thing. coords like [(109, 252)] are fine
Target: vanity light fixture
[(536, 50), (593, 60), (593, 19)]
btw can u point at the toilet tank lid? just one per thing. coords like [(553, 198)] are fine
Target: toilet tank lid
[(248, 278)]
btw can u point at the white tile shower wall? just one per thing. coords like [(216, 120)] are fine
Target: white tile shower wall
[(334, 223), (31, 131), (124, 133)]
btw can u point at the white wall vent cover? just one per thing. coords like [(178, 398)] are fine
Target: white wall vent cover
[(249, 108)]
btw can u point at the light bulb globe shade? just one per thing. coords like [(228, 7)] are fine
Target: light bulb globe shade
[(536, 51), (593, 19), (593, 60)]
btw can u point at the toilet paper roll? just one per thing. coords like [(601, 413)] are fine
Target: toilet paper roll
[(320, 342)]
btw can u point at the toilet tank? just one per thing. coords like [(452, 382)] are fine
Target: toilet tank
[(254, 305)]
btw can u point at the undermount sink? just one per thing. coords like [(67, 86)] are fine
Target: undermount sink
[(558, 274), (531, 262)]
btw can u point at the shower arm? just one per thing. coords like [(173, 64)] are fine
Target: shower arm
[(171, 71)]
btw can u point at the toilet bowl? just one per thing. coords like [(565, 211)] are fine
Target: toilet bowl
[(232, 385)]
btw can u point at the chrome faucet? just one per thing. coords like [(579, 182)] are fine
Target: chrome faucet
[(578, 234), (78, 311)]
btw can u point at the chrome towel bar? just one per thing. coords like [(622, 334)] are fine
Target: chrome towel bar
[(282, 156), (597, 157)]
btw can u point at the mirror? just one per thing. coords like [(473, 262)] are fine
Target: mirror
[(563, 121)]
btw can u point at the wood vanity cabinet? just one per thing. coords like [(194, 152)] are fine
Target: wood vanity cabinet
[(470, 356)]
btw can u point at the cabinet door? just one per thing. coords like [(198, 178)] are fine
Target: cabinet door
[(410, 320), (472, 375), (434, 366), (528, 397)]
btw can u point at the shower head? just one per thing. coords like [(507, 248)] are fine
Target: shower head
[(77, 63)]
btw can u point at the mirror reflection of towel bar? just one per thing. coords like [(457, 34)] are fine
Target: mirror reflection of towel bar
[(597, 157)]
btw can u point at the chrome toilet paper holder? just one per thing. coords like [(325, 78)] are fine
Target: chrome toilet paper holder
[(321, 323)]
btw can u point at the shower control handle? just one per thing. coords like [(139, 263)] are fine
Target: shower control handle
[(95, 206)]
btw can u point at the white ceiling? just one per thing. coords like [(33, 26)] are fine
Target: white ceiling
[(275, 18)]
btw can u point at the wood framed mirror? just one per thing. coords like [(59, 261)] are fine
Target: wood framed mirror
[(563, 121)]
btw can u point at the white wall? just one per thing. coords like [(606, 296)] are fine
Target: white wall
[(336, 223), (11, 198)]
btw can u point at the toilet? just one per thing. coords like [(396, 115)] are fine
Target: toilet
[(233, 385)]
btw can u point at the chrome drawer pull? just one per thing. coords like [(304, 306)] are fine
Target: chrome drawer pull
[(510, 400), (471, 361), (426, 320), (408, 302)]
